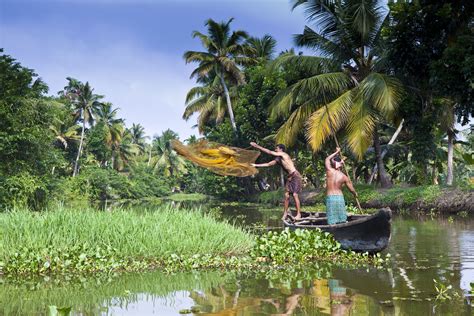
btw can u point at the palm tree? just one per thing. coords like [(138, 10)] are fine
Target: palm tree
[(208, 101), (85, 102), (113, 127), (167, 160), (447, 126), (137, 133), (64, 133), (263, 48), (224, 53), (345, 87), (122, 150)]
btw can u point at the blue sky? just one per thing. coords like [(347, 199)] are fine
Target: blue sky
[(131, 50)]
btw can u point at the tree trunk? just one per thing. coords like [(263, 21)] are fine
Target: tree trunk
[(229, 104), (383, 176), (449, 178), (392, 140), (282, 178), (149, 157), (76, 164)]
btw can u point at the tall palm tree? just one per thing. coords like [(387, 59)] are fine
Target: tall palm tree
[(447, 121), (345, 87), (263, 48), (209, 102), (166, 159), (224, 53), (85, 102)]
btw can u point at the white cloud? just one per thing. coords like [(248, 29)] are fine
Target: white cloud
[(148, 86)]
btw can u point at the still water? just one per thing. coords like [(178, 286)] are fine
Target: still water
[(422, 250)]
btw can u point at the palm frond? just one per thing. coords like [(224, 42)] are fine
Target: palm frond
[(382, 92), (327, 121), (360, 127), (294, 125)]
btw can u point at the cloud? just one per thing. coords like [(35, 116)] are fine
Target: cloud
[(149, 86)]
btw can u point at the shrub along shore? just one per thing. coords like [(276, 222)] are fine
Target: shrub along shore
[(426, 198), (65, 240)]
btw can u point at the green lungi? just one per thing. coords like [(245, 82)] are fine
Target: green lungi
[(336, 209)]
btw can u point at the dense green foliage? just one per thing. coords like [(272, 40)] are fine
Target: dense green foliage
[(74, 147)]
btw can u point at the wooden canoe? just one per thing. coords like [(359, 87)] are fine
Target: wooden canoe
[(361, 233)]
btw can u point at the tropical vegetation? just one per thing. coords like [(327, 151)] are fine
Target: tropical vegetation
[(374, 80)]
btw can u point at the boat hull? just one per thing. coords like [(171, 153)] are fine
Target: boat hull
[(361, 233)]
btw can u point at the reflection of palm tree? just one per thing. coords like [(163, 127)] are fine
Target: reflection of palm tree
[(223, 54), (328, 99), (85, 103), (166, 159)]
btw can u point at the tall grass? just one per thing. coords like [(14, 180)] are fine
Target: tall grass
[(153, 233)]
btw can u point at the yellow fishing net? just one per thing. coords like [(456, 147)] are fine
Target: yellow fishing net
[(223, 160)]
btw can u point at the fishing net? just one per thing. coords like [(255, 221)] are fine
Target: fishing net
[(223, 160)]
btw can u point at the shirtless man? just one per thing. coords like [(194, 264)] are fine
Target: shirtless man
[(335, 179), (293, 182)]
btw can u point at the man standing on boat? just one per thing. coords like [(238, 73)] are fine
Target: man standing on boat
[(293, 184), (335, 179)]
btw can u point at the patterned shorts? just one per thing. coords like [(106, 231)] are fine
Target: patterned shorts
[(336, 209), (294, 183)]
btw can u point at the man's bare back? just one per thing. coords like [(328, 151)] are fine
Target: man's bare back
[(335, 178), (335, 181)]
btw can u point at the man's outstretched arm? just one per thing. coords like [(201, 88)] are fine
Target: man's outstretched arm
[(267, 164), (267, 151), (327, 162)]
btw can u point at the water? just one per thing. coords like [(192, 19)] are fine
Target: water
[(422, 250)]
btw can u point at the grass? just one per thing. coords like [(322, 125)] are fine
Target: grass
[(65, 238)]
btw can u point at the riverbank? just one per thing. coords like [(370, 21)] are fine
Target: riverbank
[(427, 199), (78, 241)]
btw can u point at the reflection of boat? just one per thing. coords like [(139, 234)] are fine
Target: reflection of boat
[(362, 233), (376, 283)]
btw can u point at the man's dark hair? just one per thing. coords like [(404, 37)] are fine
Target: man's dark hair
[(281, 146), (334, 160)]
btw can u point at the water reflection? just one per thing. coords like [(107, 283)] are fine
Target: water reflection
[(422, 250)]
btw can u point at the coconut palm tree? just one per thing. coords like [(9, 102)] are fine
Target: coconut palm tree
[(65, 133), (209, 101), (137, 133), (346, 88), (262, 49), (113, 127), (85, 102), (122, 151), (224, 53), (166, 159)]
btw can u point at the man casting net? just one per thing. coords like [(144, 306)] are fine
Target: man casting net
[(223, 160)]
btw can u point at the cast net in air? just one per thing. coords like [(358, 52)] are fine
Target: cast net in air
[(221, 159)]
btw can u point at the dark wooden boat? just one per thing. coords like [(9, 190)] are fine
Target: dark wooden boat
[(361, 233)]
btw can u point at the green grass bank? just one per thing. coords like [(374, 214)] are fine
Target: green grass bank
[(67, 239), (81, 241)]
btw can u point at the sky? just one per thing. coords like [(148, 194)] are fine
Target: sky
[(131, 50)]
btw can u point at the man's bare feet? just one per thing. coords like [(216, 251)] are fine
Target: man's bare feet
[(298, 217)]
